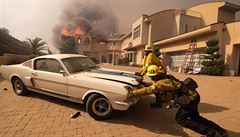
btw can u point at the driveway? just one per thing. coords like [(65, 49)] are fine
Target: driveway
[(40, 115)]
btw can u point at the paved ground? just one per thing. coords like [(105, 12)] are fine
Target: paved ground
[(39, 115)]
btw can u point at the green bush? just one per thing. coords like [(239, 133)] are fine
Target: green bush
[(211, 50), (216, 71), (212, 42), (123, 61), (212, 56), (212, 64)]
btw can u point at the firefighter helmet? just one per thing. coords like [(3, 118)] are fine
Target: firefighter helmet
[(152, 70), (148, 48)]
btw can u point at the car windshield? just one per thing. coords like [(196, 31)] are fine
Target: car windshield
[(77, 64)]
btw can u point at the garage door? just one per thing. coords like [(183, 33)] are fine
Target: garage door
[(178, 60)]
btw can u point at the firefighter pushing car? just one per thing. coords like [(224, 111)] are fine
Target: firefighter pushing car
[(185, 94)]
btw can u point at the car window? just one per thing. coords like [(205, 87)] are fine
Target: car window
[(28, 63), (77, 64), (50, 65)]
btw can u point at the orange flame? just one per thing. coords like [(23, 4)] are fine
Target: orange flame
[(65, 32), (78, 31)]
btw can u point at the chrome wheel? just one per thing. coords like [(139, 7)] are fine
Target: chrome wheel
[(18, 87), (98, 107), (101, 106)]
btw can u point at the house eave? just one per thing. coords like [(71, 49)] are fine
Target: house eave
[(195, 33)]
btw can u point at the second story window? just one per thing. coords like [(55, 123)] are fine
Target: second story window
[(186, 28), (136, 32)]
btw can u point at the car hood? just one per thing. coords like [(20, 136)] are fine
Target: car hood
[(125, 77)]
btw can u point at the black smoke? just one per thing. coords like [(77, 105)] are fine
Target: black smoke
[(94, 18)]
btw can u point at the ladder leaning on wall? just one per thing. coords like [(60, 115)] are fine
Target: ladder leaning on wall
[(190, 58)]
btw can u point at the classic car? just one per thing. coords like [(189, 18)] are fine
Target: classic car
[(75, 78)]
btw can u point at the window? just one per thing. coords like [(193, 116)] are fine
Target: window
[(186, 28), (136, 32), (28, 64), (50, 65), (78, 64)]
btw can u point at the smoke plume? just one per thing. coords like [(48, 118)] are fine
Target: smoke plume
[(86, 17)]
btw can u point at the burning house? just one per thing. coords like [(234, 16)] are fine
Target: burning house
[(101, 48), (84, 29), (75, 41)]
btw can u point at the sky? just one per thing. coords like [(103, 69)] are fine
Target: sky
[(37, 18)]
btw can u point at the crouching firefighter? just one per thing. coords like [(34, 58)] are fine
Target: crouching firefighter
[(186, 96)]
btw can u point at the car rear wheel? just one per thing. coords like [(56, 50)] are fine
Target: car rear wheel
[(18, 87), (98, 107)]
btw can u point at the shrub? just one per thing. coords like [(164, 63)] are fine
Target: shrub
[(212, 64), (123, 61)]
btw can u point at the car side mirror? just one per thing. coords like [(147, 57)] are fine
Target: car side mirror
[(63, 72)]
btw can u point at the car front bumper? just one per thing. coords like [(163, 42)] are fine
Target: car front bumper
[(124, 105)]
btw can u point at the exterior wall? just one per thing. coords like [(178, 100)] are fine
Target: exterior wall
[(192, 22), (226, 16), (126, 43), (237, 16), (170, 23), (98, 50), (113, 50), (83, 44), (232, 42), (139, 56), (142, 40), (162, 25), (114, 45), (209, 11), (183, 45)]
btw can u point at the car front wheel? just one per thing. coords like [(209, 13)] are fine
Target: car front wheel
[(18, 87), (98, 107)]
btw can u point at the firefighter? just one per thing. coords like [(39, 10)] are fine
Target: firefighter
[(152, 59), (187, 114)]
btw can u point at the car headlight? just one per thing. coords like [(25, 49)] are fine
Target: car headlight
[(128, 88)]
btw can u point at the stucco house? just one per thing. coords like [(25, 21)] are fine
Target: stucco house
[(173, 30)]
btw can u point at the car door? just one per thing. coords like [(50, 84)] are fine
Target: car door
[(46, 76)]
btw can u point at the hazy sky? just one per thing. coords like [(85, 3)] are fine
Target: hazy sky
[(36, 18)]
